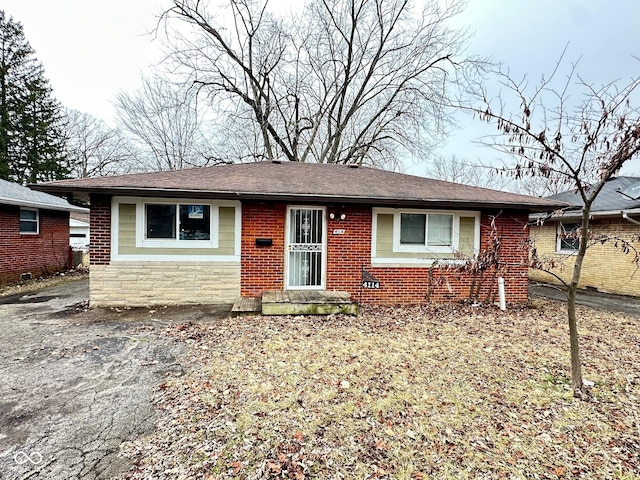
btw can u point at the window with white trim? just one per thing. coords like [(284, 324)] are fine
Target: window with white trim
[(402, 236), (29, 221), (419, 231), (177, 221), (177, 224), (568, 237)]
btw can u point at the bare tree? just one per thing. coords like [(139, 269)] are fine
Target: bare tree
[(454, 169), (163, 120), (346, 81), (578, 144), (538, 186), (95, 149)]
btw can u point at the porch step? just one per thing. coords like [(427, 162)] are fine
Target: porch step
[(247, 306), (298, 302), (307, 302)]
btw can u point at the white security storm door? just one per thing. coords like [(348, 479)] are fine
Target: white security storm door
[(305, 248)]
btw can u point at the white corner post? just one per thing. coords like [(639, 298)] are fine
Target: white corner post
[(501, 296)]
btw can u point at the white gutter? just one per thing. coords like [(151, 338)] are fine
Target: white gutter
[(578, 214), (626, 216)]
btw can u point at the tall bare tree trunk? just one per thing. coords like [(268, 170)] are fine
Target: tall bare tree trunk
[(576, 364)]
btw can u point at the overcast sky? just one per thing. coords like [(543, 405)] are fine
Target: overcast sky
[(93, 49)]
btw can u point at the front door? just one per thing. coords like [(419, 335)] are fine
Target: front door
[(305, 248)]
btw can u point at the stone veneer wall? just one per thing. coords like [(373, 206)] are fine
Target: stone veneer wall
[(164, 283)]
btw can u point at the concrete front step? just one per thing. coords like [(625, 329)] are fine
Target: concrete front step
[(297, 302)]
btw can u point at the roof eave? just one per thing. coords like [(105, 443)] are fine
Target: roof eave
[(43, 206), (296, 197)]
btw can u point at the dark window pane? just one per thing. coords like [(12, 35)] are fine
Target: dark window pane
[(412, 228), (195, 222), (28, 215), (161, 220), (28, 227), (569, 238)]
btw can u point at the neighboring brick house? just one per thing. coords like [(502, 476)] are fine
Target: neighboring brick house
[(615, 213), (34, 232), (211, 234)]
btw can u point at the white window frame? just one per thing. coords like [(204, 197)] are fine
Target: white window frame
[(427, 250), (141, 223), (433, 249), (36, 221), (559, 233)]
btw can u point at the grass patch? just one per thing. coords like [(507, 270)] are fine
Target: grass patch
[(406, 393)]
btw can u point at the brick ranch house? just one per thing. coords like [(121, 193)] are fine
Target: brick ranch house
[(209, 235), (615, 213), (34, 232)]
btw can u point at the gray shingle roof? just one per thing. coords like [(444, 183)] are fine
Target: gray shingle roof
[(608, 200), (293, 181), (15, 194)]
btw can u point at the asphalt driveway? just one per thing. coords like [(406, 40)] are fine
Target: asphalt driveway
[(76, 383), (600, 301)]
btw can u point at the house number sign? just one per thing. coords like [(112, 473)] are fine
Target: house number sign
[(339, 231), (368, 280)]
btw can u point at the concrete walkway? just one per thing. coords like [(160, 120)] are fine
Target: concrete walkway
[(601, 301)]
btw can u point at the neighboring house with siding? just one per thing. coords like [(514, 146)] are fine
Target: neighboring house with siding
[(34, 232), (211, 234), (79, 231), (615, 214)]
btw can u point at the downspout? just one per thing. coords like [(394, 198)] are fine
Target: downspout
[(627, 217)]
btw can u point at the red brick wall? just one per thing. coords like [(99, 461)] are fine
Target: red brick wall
[(262, 268), (42, 253), (100, 230), (416, 285), (348, 253)]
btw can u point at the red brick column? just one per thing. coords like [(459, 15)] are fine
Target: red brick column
[(100, 221), (262, 267), (348, 252)]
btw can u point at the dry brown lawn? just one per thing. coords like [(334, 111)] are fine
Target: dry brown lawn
[(406, 393)]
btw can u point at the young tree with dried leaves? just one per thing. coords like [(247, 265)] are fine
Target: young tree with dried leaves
[(343, 81), (579, 141)]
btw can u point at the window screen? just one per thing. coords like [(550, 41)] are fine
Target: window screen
[(440, 230)]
